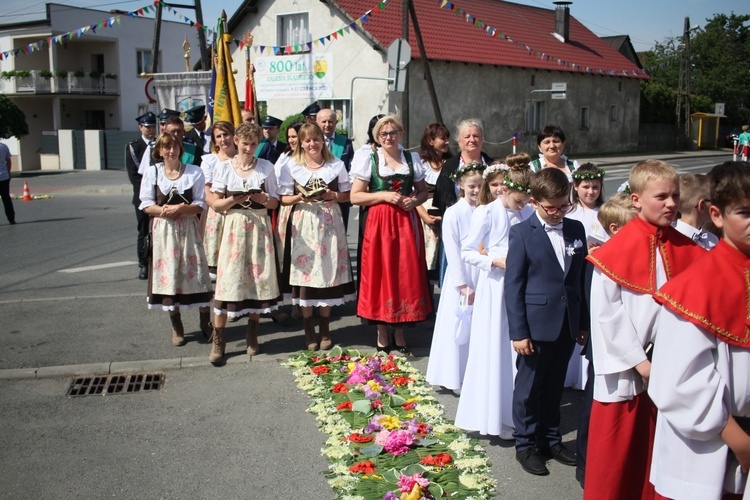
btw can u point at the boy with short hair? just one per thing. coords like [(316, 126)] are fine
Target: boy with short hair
[(546, 315), (616, 212), (700, 381), (695, 198), (630, 267)]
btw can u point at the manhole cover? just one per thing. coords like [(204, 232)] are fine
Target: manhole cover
[(115, 384)]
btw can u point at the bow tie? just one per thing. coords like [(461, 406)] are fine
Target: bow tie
[(700, 235), (556, 228)]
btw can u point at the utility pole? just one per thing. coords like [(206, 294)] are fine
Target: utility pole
[(405, 93), (683, 86), (205, 59), (425, 64)]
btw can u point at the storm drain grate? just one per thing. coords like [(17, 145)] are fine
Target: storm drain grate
[(116, 384)]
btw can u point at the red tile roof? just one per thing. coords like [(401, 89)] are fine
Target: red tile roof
[(449, 37)]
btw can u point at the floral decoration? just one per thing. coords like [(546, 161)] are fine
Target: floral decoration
[(465, 169), (570, 250), (579, 176), (387, 437)]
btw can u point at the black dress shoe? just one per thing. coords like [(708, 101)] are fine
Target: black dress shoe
[(560, 453), (143, 273), (401, 349), (532, 462)]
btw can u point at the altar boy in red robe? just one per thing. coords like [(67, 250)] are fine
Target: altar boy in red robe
[(700, 380), (629, 268)]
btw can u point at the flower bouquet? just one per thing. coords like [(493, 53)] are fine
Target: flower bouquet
[(388, 438)]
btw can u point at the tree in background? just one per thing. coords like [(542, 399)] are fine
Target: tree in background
[(12, 120), (719, 54)]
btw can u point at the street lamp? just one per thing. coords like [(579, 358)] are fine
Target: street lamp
[(683, 87)]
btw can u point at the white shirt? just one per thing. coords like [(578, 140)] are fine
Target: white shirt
[(705, 239), (622, 323), (556, 238), (191, 179), (226, 179), (697, 381), (361, 167), (146, 158), (291, 173)]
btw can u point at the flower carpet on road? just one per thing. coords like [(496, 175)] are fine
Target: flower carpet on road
[(387, 437)]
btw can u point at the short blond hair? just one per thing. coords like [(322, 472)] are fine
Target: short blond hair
[(693, 188), (387, 120), (618, 210), (647, 171)]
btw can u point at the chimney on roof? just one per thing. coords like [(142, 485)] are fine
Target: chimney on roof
[(562, 21)]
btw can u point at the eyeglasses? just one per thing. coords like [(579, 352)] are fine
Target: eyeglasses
[(555, 210), (392, 133)]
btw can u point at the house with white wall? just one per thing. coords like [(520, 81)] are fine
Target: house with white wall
[(81, 83), (490, 59)]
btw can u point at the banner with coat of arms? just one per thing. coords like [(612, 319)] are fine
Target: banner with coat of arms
[(298, 76)]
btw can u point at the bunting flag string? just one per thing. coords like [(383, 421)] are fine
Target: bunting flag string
[(276, 49), (60, 39), (493, 32)]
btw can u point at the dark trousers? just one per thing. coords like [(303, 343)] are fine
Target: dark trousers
[(7, 202), (143, 221), (582, 437), (538, 392), (345, 206)]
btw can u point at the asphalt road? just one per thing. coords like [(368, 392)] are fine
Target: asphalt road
[(68, 296)]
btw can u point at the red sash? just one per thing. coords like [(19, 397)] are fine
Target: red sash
[(714, 294), (629, 257)]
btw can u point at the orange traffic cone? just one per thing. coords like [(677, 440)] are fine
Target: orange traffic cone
[(26, 192)]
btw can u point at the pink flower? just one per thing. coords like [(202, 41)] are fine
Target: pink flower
[(406, 483), (257, 270), (306, 278), (193, 260), (382, 437), (302, 260), (398, 442)]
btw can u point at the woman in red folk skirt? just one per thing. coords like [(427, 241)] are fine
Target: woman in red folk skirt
[(389, 184)]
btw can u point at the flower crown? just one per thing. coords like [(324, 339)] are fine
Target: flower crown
[(469, 167), (495, 167), (587, 176), (515, 186)]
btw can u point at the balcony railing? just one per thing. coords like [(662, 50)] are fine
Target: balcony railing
[(35, 83)]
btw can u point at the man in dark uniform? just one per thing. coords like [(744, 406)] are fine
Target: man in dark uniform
[(270, 148), (134, 153), (310, 113), (197, 118), (166, 113)]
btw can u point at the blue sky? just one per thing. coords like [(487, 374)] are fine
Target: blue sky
[(646, 21)]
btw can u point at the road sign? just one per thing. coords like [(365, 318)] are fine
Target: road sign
[(399, 54), (399, 79), (719, 108), (559, 95), (560, 87)]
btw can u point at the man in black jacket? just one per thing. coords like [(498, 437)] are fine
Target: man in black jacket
[(134, 152)]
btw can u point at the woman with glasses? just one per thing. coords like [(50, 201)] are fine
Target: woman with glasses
[(551, 143), (389, 182)]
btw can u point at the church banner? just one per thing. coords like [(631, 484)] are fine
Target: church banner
[(299, 76)]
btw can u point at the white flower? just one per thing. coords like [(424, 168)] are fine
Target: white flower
[(577, 244)]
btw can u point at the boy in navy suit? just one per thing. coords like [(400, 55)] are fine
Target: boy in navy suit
[(546, 316)]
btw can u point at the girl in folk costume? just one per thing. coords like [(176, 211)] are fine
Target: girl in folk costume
[(222, 149), (551, 143), (246, 279), (487, 392), (314, 182), (588, 196), (393, 287), (172, 194), (699, 380), (433, 152), (629, 268), (447, 356), (282, 218)]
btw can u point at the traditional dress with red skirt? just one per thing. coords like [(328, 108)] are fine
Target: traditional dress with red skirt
[(393, 285)]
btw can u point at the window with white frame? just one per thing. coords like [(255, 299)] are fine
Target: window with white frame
[(293, 29), (143, 61), (584, 118), (341, 108), (536, 116)]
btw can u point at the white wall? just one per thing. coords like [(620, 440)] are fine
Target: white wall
[(353, 55)]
